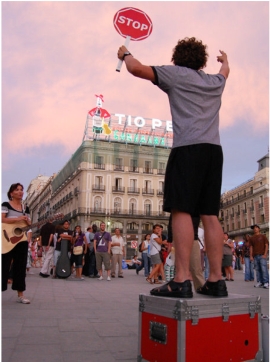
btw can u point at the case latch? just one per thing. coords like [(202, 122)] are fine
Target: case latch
[(225, 312), (252, 309), (141, 304), (193, 314)]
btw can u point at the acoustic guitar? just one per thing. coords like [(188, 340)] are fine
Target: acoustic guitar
[(12, 234)]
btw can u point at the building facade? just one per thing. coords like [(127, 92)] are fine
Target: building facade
[(247, 204), (120, 184)]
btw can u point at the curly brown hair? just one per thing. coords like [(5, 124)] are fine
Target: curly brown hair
[(190, 53)]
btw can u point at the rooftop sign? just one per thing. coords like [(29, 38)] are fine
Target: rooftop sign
[(119, 127)]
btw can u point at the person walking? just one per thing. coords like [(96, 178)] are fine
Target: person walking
[(195, 100), (155, 251), (14, 212)]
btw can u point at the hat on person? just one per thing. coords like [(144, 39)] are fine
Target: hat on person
[(253, 226)]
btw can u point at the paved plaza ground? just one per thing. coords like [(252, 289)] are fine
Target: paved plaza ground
[(89, 320)]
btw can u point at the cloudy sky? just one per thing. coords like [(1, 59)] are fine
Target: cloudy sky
[(57, 55)]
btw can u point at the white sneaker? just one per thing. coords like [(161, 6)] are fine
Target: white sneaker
[(100, 278), (23, 300), (109, 279), (266, 285), (258, 285)]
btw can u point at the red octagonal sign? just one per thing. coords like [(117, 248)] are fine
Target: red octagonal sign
[(133, 22)]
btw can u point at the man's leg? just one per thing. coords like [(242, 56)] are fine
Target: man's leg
[(183, 237), (264, 271), (120, 270), (48, 256), (195, 266), (113, 265), (214, 245)]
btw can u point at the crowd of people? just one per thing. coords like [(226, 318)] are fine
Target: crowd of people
[(92, 252)]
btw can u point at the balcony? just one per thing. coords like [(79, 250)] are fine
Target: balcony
[(98, 210), (99, 166), (99, 188), (133, 169), (118, 168), (160, 193), (132, 231), (133, 212), (118, 189), (261, 205), (244, 211), (161, 171), (147, 191), (116, 212), (133, 190), (251, 208), (148, 170)]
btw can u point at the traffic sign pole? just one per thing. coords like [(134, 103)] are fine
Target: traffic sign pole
[(120, 62)]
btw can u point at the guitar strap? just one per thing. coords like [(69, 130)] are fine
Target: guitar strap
[(100, 239)]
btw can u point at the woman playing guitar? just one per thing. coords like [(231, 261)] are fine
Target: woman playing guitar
[(12, 213)]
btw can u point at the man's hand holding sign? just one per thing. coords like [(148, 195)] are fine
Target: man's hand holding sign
[(132, 24)]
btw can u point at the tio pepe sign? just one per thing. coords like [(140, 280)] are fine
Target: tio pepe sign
[(133, 23)]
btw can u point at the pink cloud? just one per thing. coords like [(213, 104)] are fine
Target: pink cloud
[(58, 55)]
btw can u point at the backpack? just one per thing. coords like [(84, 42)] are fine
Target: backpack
[(140, 247)]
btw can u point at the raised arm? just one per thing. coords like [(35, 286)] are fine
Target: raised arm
[(135, 67), (225, 69)]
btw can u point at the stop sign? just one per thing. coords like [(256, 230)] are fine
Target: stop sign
[(133, 22)]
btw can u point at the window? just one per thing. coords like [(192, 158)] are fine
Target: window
[(133, 165), (98, 181), (99, 164), (97, 204), (133, 184), (147, 166), (147, 207), (160, 208), (132, 206), (118, 161), (261, 202), (147, 185), (132, 226), (161, 168), (117, 205), (118, 183), (119, 164)]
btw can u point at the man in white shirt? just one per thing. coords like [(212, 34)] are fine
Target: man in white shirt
[(117, 249)]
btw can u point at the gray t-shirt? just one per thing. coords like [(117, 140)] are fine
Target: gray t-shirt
[(195, 100)]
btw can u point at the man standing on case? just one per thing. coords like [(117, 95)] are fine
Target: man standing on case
[(195, 100)]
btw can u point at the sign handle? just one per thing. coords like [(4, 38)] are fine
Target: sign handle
[(120, 62)]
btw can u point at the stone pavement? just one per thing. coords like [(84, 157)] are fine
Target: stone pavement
[(89, 320)]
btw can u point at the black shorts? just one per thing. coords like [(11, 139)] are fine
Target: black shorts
[(193, 179)]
